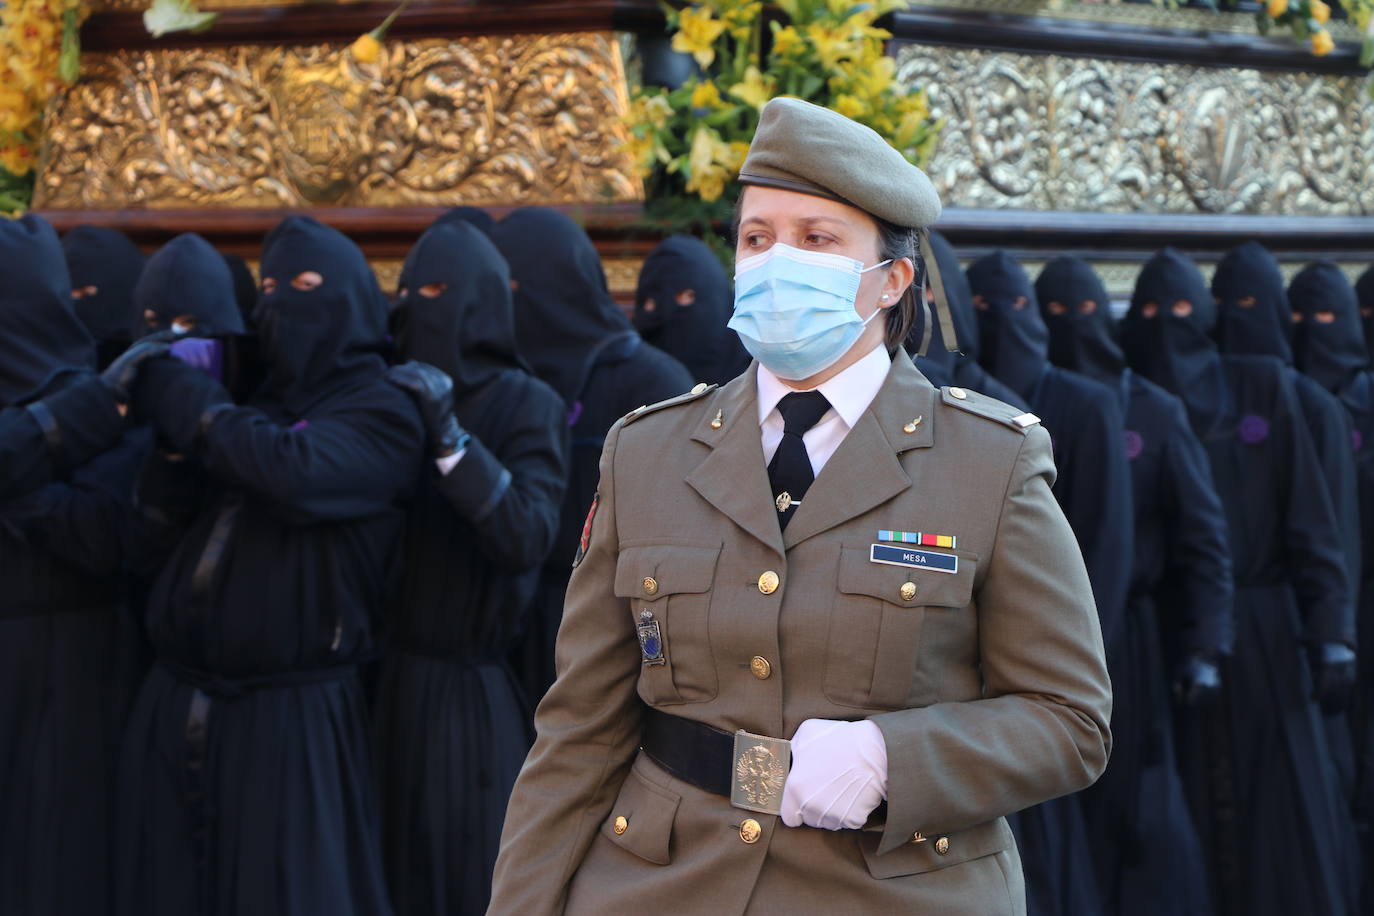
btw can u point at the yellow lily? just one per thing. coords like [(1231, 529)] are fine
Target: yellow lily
[(1322, 44), (755, 90), (696, 34), (1320, 11)]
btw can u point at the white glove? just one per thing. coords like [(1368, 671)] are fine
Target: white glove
[(839, 774)]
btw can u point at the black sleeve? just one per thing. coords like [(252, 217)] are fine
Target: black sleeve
[(1329, 426), (41, 441), (1094, 490), (513, 499), (1312, 535), (170, 490), (1200, 552)]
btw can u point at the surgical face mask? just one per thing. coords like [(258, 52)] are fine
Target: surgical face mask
[(794, 309)]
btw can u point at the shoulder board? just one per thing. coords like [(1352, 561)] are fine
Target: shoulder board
[(988, 408), (698, 391)]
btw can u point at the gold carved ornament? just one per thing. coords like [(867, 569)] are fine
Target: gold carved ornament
[(760, 775), (510, 119)]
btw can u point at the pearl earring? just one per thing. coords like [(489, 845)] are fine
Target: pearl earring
[(886, 297)]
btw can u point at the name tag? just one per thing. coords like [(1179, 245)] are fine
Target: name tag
[(915, 559)]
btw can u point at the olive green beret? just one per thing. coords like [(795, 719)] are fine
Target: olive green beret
[(813, 150)]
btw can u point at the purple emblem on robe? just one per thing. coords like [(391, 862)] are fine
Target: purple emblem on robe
[(299, 425), (1253, 429), (1356, 439), (1135, 444)]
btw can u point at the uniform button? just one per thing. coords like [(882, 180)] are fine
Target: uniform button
[(760, 668), (699, 387), (650, 585), (942, 846), (621, 825), (958, 393), (907, 591), (768, 582), (750, 831)]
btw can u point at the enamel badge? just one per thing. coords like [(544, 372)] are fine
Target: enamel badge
[(650, 639), (586, 532)]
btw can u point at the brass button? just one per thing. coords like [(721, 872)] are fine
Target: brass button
[(760, 668), (699, 387), (908, 591), (750, 831), (621, 825), (768, 582), (942, 846), (650, 585), (958, 393)]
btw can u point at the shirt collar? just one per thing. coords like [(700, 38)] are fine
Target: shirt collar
[(849, 393)]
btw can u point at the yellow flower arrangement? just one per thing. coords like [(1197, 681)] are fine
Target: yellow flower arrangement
[(1307, 20), (689, 142)]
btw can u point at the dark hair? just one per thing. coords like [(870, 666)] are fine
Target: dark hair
[(893, 242)]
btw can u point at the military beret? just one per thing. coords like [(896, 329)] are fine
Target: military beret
[(803, 147)]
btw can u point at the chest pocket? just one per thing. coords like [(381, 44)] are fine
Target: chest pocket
[(672, 581), (876, 625)]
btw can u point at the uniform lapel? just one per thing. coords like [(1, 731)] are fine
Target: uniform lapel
[(733, 477), (865, 470)]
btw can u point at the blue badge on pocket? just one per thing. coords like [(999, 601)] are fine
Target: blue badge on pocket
[(913, 559), (650, 639)]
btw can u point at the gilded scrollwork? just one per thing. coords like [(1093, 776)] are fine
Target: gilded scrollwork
[(1043, 132), (527, 118)]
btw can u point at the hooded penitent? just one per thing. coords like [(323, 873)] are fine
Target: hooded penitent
[(1166, 335), (1015, 342), (456, 311), (104, 265), (321, 318), (1364, 290), (1253, 316), (1076, 309), (682, 304), (186, 287), (1329, 341), (564, 314), (473, 216)]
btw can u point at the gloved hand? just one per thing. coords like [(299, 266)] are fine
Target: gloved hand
[(432, 390), (202, 353), (839, 774), (1333, 676), (1197, 680), (121, 374)]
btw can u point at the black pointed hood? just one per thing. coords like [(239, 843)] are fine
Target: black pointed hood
[(1253, 316), (960, 299), (456, 310), (473, 216), (1077, 310), (40, 335), (104, 265), (315, 341), (1166, 334), (564, 313), (1364, 291), (682, 305), (1015, 342), (186, 287), (1329, 340)]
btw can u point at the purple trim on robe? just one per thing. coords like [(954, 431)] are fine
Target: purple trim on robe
[(1356, 439), (574, 413), (299, 425)]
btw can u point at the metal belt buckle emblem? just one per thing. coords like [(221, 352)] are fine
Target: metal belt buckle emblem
[(760, 769)]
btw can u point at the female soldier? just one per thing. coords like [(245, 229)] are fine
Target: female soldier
[(924, 633)]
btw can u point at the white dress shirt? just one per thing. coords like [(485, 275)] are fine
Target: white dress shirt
[(849, 394)]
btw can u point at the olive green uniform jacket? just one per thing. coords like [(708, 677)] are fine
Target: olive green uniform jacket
[(989, 684)]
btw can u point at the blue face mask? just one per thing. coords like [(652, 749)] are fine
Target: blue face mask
[(794, 309)]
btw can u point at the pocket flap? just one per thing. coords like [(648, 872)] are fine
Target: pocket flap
[(914, 858), (675, 569), (859, 575), (641, 820)]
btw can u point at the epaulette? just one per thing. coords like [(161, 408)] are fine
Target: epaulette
[(988, 408), (687, 398)]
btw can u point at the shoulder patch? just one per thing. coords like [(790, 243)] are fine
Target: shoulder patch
[(697, 392), (988, 408)]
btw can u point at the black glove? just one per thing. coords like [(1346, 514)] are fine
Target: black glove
[(432, 390), (121, 374), (1333, 676), (1197, 680)]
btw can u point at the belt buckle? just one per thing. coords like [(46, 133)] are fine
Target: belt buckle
[(759, 771)]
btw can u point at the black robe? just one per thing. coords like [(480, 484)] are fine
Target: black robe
[(1179, 606), (1364, 291), (1093, 487), (682, 304), (61, 618), (939, 365), (246, 783), (452, 724), (1333, 353), (576, 339), (1258, 756), (104, 265)]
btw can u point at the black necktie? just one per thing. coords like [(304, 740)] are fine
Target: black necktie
[(790, 470)]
